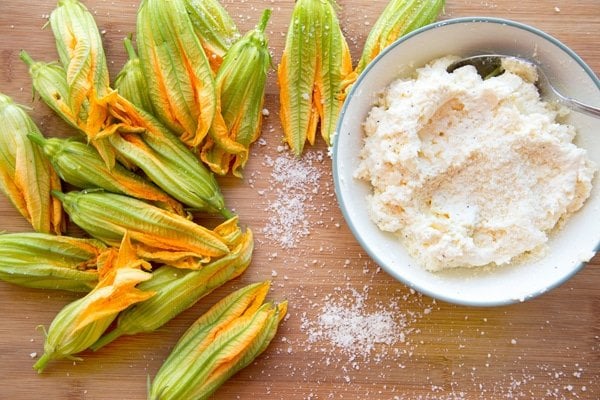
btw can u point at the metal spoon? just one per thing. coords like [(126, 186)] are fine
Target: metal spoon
[(490, 65)]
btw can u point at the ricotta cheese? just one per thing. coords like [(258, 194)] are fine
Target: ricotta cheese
[(470, 172)]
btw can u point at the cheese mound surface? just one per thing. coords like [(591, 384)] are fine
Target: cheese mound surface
[(470, 172)]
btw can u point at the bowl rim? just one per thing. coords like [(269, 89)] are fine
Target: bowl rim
[(337, 186)]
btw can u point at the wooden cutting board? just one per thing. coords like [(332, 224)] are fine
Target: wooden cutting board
[(544, 348)]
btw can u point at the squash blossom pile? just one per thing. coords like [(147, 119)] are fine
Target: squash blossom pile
[(187, 105), (137, 165), (315, 73)]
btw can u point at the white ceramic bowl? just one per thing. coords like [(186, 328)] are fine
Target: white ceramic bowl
[(568, 249)]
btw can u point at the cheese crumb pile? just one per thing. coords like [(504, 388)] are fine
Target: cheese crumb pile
[(470, 172)]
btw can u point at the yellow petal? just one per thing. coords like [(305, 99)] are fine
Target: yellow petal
[(116, 290)]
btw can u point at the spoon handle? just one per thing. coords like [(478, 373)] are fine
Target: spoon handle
[(581, 107)]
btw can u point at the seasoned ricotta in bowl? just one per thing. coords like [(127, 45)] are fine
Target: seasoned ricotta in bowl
[(470, 172)]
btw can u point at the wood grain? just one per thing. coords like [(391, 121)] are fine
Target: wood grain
[(544, 348)]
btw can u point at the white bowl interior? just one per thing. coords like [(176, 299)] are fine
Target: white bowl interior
[(568, 249)]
